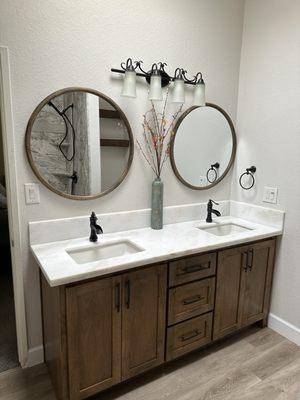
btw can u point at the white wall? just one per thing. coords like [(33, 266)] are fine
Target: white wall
[(58, 43), (269, 131)]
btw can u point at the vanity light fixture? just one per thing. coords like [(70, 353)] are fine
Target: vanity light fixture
[(199, 93), (155, 92), (158, 78), (129, 84), (178, 95)]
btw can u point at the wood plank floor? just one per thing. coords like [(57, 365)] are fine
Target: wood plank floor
[(257, 364)]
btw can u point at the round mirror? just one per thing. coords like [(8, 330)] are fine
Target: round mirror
[(79, 143), (203, 146)]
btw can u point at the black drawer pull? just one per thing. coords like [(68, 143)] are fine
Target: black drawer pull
[(193, 299), (194, 268), (190, 335)]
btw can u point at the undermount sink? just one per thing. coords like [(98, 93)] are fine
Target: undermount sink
[(225, 229), (100, 251)]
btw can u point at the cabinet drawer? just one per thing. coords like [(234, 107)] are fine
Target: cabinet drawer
[(192, 268), (190, 300), (188, 336)]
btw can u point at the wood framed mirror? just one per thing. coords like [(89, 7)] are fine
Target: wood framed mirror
[(203, 146), (79, 143)]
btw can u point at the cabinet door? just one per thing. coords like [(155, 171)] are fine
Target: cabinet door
[(258, 280), (143, 319), (94, 336), (228, 312)]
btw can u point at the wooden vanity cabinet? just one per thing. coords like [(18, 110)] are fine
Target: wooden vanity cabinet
[(107, 330), (143, 319), (257, 282), (93, 314), (244, 277)]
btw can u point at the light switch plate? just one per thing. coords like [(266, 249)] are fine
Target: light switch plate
[(32, 193), (270, 195)]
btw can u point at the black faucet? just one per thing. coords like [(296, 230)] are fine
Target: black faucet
[(95, 229), (210, 210)]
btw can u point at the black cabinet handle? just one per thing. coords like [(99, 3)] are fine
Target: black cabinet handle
[(127, 298), (194, 268), (245, 260), (190, 335), (250, 259), (193, 299), (118, 296)]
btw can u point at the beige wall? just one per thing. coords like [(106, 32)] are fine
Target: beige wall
[(58, 43), (269, 131)]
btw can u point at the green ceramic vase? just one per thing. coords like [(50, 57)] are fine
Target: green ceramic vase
[(157, 204)]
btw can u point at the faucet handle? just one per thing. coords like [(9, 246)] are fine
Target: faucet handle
[(93, 216), (217, 204)]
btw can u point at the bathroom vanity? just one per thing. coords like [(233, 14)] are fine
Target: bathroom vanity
[(140, 297), (110, 320), (106, 330)]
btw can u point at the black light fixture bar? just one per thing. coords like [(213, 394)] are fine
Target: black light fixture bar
[(160, 68)]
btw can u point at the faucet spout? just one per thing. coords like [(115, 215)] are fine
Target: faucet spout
[(216, 212)]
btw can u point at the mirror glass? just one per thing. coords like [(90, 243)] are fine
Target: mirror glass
[(79, 143), (203, 146)]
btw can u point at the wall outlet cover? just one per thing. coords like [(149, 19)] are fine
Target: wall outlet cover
[(32, 193), (270, 195)]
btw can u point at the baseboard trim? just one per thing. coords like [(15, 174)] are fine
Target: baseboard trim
[(284, 328), (35, 356)]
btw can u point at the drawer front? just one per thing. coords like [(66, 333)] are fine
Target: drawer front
[(188, 336), (191, 300), (192, 268)]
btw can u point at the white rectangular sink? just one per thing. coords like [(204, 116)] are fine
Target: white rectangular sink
[(100, 251), (225, 229)]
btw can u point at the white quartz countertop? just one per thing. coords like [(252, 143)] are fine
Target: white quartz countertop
[(173, 241)]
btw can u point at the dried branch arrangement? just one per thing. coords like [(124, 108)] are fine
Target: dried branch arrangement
[(157, 133)]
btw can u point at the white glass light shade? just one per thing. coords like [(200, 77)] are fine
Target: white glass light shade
[(178, 95), (199, 95), (129, 84), (155, 92)]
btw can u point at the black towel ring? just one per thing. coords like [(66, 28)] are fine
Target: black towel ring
[(213, 168), (249, 171)]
